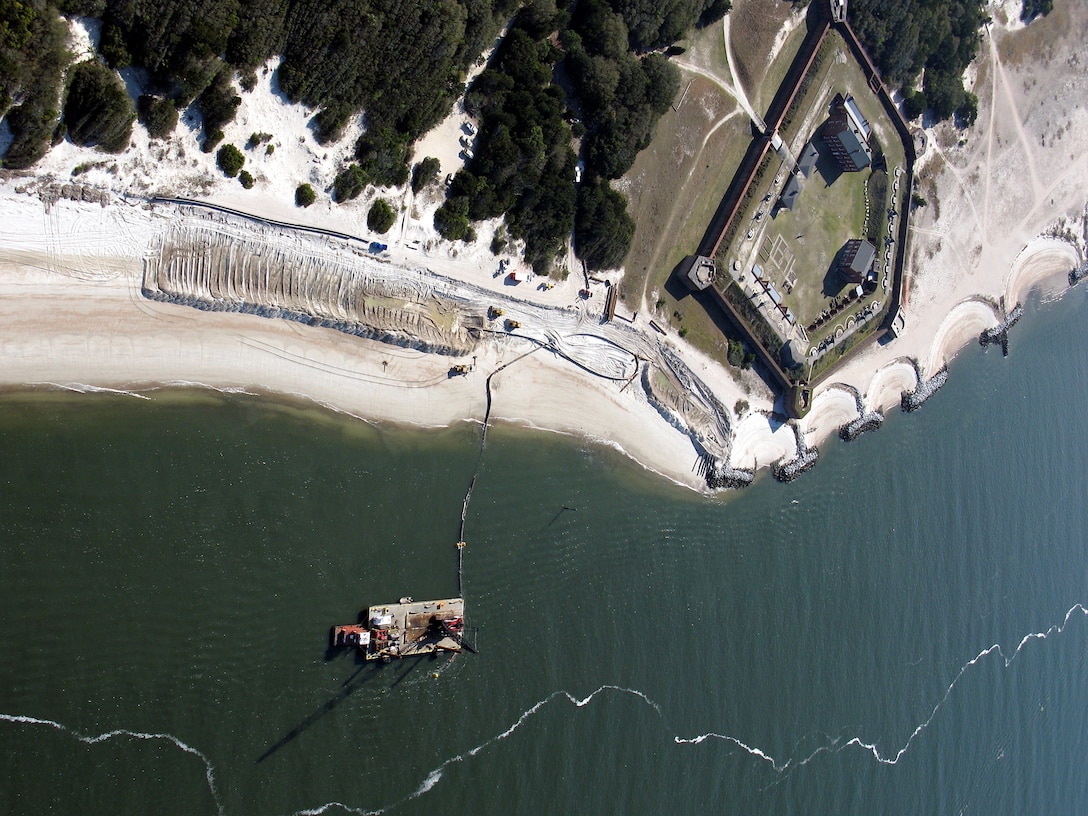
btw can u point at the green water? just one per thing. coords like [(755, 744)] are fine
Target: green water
[(171, 569)]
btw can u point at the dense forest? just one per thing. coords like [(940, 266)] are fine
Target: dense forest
[(559, 76), (402, 61), (32, 60), (940, 36), (591, 71)]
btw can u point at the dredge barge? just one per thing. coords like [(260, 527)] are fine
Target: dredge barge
[(407, 629)]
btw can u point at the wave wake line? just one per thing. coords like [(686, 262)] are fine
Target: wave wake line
[(435, 776), (209, 769), (871, 747)]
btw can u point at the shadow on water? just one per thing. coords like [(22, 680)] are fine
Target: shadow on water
[(364, 674)]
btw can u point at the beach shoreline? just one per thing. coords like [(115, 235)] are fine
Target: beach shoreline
[(75, 310), (65, 328)]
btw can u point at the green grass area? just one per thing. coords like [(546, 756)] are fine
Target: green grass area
[(776, 71), (705, 47), (809, 107), (806, 240), (674, 188), (796, 250)]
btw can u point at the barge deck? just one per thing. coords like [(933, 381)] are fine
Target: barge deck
[(406, 629)]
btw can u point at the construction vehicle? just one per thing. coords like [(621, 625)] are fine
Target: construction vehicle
[(460, 368), (495, 311), (513, 324)]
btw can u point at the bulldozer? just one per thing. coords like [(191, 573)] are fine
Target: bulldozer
[(495, 311), (460, 368), (513, 324)]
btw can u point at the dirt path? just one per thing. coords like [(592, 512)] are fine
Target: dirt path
[(731, 85), (1014, 116), (740, 95)]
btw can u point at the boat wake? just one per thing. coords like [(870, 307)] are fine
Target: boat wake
[(871, 747), (780, 766), (124, 733)]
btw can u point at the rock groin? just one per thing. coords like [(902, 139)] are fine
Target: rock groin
[(788, 471), (719, 474), (913, 400), (866, 422), (1077, 273), (999, 334)]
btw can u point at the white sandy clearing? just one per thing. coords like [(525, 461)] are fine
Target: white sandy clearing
[(832, 408), (760, 441)]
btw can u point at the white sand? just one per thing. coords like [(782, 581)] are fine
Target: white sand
[(1011, 203)]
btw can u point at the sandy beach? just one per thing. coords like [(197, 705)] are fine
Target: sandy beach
[(1007, 213)]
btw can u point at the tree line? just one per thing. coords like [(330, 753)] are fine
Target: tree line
[(941, 37), (588, 73), (32, 60), (594, 71), (402, 61)]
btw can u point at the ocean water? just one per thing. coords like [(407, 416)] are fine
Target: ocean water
[(900, 630)]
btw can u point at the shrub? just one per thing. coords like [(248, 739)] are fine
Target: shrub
[(230, 160), (383, 154), (158, 115), (602, 228), (211, 139), (218, 102), (246, 179), (914, 105), (424, 173), (451, 220), (381, 216), (967, 112), (304, 195), (98, 111), (349, 183)]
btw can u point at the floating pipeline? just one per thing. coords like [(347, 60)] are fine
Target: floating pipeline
[(913, 400), (1000, 334), (279, 313), (866, 422), (719, 474), (788, 471)]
